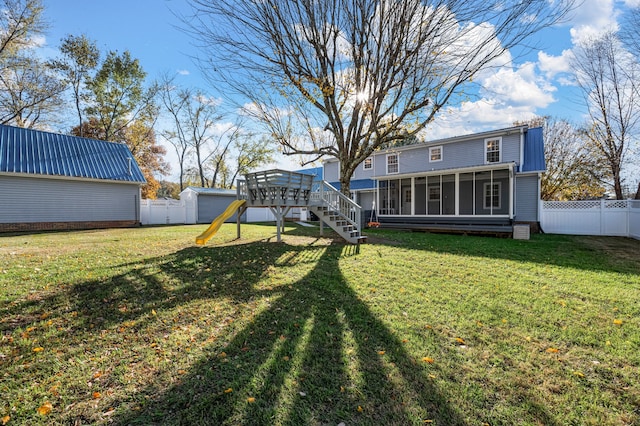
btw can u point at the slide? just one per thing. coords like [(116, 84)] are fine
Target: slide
[(218, 221)]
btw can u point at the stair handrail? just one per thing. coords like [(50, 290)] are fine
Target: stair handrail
[(327, 195)]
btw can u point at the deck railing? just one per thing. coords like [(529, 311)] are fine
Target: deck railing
[(324, 194)]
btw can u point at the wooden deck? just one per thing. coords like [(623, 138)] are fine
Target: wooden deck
[(498, 231)]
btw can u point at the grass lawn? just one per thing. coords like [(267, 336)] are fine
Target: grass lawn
[(140, 326)]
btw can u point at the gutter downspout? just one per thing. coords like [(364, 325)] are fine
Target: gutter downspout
[(521, 150)]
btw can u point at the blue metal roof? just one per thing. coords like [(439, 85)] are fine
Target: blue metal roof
[(533, 151), (315, 171), (357, 184), (34, 152)]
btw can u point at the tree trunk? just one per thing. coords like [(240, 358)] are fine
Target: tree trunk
[(638, 192)]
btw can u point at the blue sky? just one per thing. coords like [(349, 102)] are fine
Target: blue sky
[(538, 84)]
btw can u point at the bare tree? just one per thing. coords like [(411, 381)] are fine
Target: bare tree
[(343, 77), (572, 172), (194, 117), (20, 22), (29, 92), (606, 74)]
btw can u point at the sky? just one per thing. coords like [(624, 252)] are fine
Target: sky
[(538, 84)]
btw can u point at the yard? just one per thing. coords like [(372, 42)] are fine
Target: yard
[(140, 326)]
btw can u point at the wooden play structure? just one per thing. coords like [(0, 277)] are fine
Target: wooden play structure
[(280, 190)]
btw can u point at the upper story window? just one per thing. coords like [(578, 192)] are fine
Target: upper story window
[(392, 164), (435, 154), (493, 150), (368, 163)]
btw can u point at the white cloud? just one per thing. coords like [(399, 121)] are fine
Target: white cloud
[(554, 65), (590, 21), (183, 72), (518, 87)]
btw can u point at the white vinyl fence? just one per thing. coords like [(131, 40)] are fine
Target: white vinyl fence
[(163, 212), (598, 217), (177, 212)]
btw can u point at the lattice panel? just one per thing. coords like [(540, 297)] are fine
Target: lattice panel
[(571, 205), (615, 204)]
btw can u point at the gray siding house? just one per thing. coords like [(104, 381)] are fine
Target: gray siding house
[(51, 181), (484, 179)]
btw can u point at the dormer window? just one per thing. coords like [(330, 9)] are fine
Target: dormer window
[(493, 150)]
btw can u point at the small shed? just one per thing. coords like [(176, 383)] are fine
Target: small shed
[(205, 204), (50, 181)]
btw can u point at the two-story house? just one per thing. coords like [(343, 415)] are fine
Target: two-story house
[(477, 181)]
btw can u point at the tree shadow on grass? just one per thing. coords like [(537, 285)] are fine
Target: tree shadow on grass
[(607, 254), (305, 349), (316, 355)]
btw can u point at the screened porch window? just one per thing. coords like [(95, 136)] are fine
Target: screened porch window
[(492, 199), (481, 193)]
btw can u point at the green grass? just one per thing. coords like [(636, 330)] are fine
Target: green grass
[(140, 326)]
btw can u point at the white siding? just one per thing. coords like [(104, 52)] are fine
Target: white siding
[(27, 200)]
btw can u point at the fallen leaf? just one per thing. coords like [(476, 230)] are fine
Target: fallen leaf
[(460, 340), (45, 408), (285, 358), (38, 349), (6, 419), (96, 395), (251, 400), (229, 390), (359, 409), (153, 312), (380, 352), (578, 373), (617, 321), (428, 360), (552, 350), (302, 394)]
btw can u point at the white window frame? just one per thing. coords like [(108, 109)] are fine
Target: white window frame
[(489, 197), (370, 162), (431, 151), (397, 163), (487, 152)]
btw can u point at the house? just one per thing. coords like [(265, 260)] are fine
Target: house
[(50, 181), (487, 181)]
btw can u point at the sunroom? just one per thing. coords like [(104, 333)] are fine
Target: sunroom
[(484, 192)]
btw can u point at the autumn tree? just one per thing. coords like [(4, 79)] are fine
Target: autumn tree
[(607, 74), (340, 78), (140, 137), (80, 56)]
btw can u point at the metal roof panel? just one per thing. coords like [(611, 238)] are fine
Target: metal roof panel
[(28, 151)]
